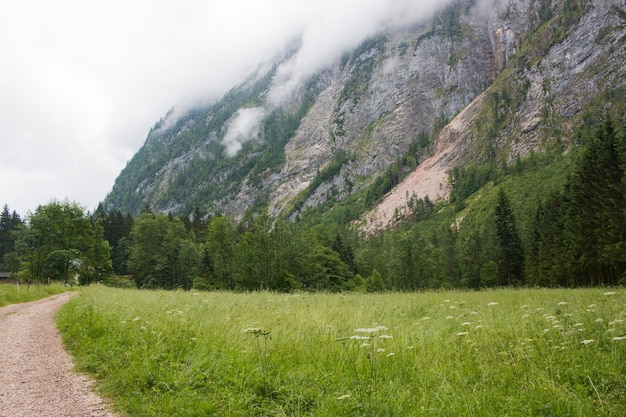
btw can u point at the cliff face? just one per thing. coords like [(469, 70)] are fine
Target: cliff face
[(568, 62), (506, 77), (412, 77)]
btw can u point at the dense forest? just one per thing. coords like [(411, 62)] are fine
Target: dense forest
[(545, 220)]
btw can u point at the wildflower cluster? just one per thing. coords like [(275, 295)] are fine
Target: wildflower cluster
[(365, 365), (262, 337)]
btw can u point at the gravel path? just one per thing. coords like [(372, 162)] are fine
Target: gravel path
[(37, 377)]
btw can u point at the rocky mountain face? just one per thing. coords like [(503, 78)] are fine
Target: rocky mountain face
[(480, 81)]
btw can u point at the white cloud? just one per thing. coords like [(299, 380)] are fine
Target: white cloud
[(81, 83), (338, 26), (243, 127)]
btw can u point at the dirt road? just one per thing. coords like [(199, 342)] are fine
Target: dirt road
[(37, 376)]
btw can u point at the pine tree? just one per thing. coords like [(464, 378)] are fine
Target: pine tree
[(547, 263), (8, 225), (511, 254), (595, 221)]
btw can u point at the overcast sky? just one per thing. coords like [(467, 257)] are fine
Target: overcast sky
[(82, 82)]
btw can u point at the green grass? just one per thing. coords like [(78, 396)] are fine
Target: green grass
[(12, 294), (503, 352)]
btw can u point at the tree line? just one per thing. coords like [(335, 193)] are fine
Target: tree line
[(59, 242), (576, 236)]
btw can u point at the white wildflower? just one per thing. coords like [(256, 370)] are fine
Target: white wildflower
[(364, 345), (466, 323), (619, 338), (357, 337), (578, 325), (493, 303), (462, 333), (251, 330), (385, 336), (478, 327), (592, 305), (610, 293), (380, 350), (257, 331), (446, 301), (390, 354), (411, 347), (587, 341), (343, 397), (371, 329), (449, 317), (562, 303), (599, 320)]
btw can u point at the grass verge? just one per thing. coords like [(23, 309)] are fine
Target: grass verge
[(13, 294)]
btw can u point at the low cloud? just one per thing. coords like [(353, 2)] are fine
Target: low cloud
[(333, 28), (243, 127), (340, 26)]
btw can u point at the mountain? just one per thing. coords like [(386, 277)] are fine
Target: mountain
[(481, 82)]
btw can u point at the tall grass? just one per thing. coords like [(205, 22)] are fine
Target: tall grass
[(12, 294), (504, 352)]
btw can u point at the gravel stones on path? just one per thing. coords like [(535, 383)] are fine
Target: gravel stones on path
[(37, 376)]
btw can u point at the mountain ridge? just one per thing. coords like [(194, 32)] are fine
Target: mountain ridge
[(509, 82)]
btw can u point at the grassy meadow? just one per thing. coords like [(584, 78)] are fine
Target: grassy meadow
[(12, 294), (492, 353)]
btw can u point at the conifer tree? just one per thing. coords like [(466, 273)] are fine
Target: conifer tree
[(595, 221), (8, 225), (511, 254)]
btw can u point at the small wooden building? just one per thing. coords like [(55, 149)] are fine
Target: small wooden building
[(5, 277)]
